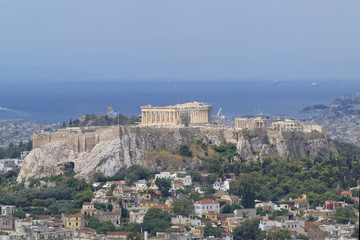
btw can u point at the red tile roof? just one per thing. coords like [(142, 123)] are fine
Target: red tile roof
[(7, 229), (44, 217), (345, 192), (120, 182), (87, 229), (74, 215), (88, 203), (206, 201), (211, 213)]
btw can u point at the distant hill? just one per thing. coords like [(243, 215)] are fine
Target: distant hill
[(344, 105)]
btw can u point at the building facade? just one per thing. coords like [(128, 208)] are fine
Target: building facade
[(251, 123), (204, 206), (180, 114)]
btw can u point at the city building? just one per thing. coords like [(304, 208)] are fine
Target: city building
[(74, 221), (202, 207)]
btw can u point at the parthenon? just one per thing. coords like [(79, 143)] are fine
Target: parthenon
[(180, 114)]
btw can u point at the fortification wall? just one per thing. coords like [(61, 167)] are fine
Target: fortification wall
[(81, 140)]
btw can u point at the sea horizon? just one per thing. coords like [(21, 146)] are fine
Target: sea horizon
[(58, 101)]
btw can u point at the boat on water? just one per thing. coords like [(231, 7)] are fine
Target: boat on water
[(314, 84)]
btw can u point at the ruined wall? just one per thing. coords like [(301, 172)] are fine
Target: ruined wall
[(79, 140)]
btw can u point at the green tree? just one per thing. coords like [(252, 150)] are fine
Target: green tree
[(110, 207), (248, 198), (209, 230), (248, 230), (195, 176), (280, 235), (19, 214), (164, 186), (94, 223), (184, 150), (195, 196), (344, 213), (156, 220), (226, 208), (302, 236), (105, 227), (183, 207), (134, 236), (81, 197)]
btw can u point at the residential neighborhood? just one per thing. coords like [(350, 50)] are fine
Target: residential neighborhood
[(123, 204)]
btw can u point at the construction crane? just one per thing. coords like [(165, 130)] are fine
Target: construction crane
[(217, 121)]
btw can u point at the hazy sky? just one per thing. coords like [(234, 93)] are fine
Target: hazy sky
[(195, 39)]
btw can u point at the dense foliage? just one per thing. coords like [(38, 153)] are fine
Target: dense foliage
[(13, 151), (274, 179), (102, 120), (155, 220), (40, 199)]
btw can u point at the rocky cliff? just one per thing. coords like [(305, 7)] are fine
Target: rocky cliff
[(113, 156)]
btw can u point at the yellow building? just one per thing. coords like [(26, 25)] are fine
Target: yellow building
[(198, 231), (89, 209), (74, 221), (147, 201), (212, 216), (148, 204)]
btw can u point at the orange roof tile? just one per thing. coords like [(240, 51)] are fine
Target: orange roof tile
[(345, 192), (211, 213), (87, 229), (88, 203), (74, 215), (206, 201), (7, 229), (120, 182)]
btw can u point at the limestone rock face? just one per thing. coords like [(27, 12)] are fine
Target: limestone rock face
[(113, 156), (44, 161)]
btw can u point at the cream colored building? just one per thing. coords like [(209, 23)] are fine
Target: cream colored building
[(251, 123), (294, 125), (187, 113), (288, 125)]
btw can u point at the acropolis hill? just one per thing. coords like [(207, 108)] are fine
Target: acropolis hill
[(112, 149)]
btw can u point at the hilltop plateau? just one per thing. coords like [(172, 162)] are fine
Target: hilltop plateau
[(147, 145)]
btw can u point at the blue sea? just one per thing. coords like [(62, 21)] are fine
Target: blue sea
[(53, 101)]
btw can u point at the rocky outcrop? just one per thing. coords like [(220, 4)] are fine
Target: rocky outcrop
[(111, 157)]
